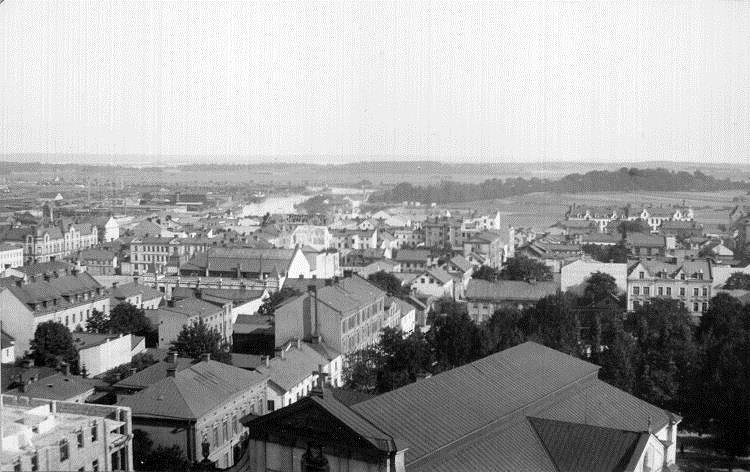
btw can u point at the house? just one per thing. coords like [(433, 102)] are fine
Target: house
[(42, 270), (67, 299), (136, 293), (646, 245), (316, 237), (294, 370), (599, 216), (199, 404), (253, 334), (442, 232), (433, 282), (346, 315), (98, 353), (11, 255), (58, 435), (413, 260), (408, 318), (531, 408), (573, 276), (483, 297), (53, 242), (689, 282), (244, 301), (492, 246), (324, 264), (248, 263), (553, 255), (599, 239), (98, 261), (384, 265), (179, 313), (409, 237), (60, 386)]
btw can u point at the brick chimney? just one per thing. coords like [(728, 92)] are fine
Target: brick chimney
[(205, 357), (171, 371), (172, 357)]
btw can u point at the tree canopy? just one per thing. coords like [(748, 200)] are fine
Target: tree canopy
[(490, 274), (198, 338), (268, 308), (98, 322), (612, 253), (53, 344), (389, 283), (599, 286), (128, 319), (738, 281), (526, 269)]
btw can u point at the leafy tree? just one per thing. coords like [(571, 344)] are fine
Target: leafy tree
[(553, 322), (199, 338), (614, 351), (523, 268), (738, 281), (128, 319), (139, 362), (454, 338), (501, 331), (268, 308), (665, 353), (53, 344), (361, 369), (98, 322), (389, 283), (632, 226), (722, 394), (145, 457), (404, 358), (490, 274), (613, 253), (599, 286)]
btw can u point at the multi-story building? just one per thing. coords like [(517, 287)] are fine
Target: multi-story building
[(66, 299), (248, 263), (492, 246), (160, 254), (442, 232), (178, 313), (409, 237), (346, 315), (48, 435), (11, 255), (688, 282), (317, 237), (600, 216), (200, 403), (98, 261), (483, 298), (136, 293), (49, 243)]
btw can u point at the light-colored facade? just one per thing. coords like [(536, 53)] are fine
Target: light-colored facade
[(47, 243), (11, 256), (317, 237), (99, 353), (434, 282), (690, 283), (53, 436), (573, 276), (111, 230), (177, 314)]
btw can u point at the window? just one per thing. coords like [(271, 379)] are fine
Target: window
[(235, 425), (647, 291), (704, 307), (216, 435), (636, 290), (64, 451), (94, 433), (669, 291), (225, 430), (660, 290), (79, 439), (695, 307), (95, 465), (705, 291), (682, 276), (17, 467), (695, 292), (682, 291), (35, 462), (641, 274)]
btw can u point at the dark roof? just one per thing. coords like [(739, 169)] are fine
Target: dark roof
[(574, 446), (507, 290), (411, 255), (10, 373), (152, 374), (6, 340), (131, 289), (56, 387), (41, 268), (192, 392), (461, 263), (648, 240)]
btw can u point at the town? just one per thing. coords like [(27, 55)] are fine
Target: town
[(219, 326)]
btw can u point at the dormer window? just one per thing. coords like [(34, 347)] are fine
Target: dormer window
[(641, 275)]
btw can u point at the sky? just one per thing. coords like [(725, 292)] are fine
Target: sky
[(461, 81)]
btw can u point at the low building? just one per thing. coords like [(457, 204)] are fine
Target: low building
[(413, 260), (98, 261), (492, 246), (646, 245), (483, 297), (573, 276), (433, 282), (244, 301), (137, 294), (530, 408), (199, 404), (98, 353), (253, 334), (177, 314), (54, 435)]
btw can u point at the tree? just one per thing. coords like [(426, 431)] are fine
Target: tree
[(490, 274), (612, 253), (599, 286), (404, 358), (53, 344), (614, 352), (98, 322), (199, 338), (389, 283), (268, 308), (523, 268), (128, 319), (722, 395), (665, 353), (553, 322), (454, 338), (738, 281), (145, 457), (632, 226), (501, 331), (361, 368)]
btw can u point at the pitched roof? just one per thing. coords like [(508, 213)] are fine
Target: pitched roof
[(461, 263), (412, 255), (643, 239), (153, 374), (192, 392), (132, 289), (56, 387), (297, 365), (439, 274), (504, 290), (439, 410)]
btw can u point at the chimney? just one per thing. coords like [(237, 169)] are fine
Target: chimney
[(299, 343), (171, 371), (114, 284), (329, 282), (170, 302), (133, 371), (267, 361), (65, 368), (312, 290), (172, 357), (205, 357)]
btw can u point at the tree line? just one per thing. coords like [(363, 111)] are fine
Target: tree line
[(622, 180), (657, 353)]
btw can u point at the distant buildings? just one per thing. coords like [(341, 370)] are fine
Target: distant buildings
[(178, 313), (53, 435), (49, 243), (483, 297)]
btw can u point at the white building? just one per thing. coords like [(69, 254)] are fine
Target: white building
[(111, 230), (11, 255), (317, 237), (99, 353), (433, 282), (574, 275)]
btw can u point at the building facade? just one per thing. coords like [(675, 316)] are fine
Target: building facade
[(690, 283)]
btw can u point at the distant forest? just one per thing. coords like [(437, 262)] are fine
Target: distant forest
[(622, 180)]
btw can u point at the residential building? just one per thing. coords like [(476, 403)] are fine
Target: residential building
[(179, 313), (409, 237), (151, 253), (324, 264), (199, 404), (248, 263), (600, 216), (483, 297), (413, 260), (491, 246), (111, 230), (136, 293), (530, 408), (354, 239), (646, 245), (554, 256), (60, 386), (98, 353), (98, 261), (11, 255), (244, 301), (434, 282), (48, 435), (67, 299), (689, 282), (442, 232), (49, 243), (316, 237), (574, 276), (294, 371), (345, 315)]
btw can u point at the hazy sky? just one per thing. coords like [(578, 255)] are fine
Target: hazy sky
[(613, 80)]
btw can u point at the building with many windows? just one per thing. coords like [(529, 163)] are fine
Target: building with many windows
[(48, 435), (688, 282)]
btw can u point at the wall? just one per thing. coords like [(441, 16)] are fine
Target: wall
[(11, 258), (18, 320), (108, 355), (573, 276), (276, 457)]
